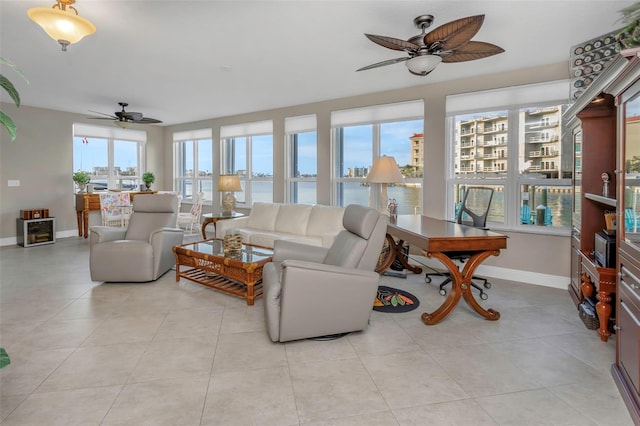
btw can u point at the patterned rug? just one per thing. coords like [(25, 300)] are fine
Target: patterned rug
[(394, 300)]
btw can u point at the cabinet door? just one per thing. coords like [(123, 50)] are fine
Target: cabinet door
[(629, 338), (629, 228)]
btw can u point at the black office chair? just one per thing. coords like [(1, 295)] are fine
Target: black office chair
[(475, 205)]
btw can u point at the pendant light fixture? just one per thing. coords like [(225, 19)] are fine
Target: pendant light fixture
[(62, 22)]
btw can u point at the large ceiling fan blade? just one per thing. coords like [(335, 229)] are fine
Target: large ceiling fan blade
[(472, 51), (383, 63), (147, 120), (392, 43), (455, 33), (112, 117)]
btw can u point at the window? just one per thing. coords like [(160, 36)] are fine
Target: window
[(112, 156), (361, 135), (519, 149), (247, 150), (302, 159), (192, 164)]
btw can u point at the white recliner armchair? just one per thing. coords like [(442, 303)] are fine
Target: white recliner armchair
[(314, 291), (141, 252)]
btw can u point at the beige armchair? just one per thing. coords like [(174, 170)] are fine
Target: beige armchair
[(314, 291), (142, 251)]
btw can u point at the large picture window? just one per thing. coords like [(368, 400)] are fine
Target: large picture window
[(113, 157), (302, 159), (193, 164), (247, 150), (361, 135), (520, 150)]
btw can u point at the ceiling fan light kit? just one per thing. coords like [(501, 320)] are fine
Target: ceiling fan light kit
[(62, 22), (423, 65), (448, 43)]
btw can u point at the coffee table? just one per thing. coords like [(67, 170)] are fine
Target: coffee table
[(205, 263)]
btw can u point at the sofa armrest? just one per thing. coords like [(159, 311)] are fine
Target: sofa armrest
[(103, 234), (289, 250), (223, 226)]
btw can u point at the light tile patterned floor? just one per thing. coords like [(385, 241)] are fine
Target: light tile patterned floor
[(168, 353)]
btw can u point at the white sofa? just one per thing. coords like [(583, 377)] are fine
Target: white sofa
[(316, 225)]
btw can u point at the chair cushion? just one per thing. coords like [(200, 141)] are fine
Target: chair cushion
[(293, 218), (151, 212), (263, 216), (360, 220), (346, 251), (325, 219)]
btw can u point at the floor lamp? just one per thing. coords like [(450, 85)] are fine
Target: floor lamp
[(384, 171)]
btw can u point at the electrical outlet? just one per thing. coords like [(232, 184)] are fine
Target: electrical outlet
[(13, 182)]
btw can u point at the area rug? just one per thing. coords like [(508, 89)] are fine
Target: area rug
[(394, 300)]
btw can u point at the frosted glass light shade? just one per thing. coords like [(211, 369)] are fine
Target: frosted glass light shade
[(65, 27), (423, 65)]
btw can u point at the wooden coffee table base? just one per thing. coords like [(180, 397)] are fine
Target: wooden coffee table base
[(240, 273), (249, 291)]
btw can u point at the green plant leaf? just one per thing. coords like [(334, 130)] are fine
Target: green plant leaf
[(4, 358), (8, 123), (10, 88)]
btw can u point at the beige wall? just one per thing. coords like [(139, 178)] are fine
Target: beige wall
[(41, 158)]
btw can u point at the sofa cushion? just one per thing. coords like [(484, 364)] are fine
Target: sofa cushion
[(325, 220), (263, 216), (293, 218)]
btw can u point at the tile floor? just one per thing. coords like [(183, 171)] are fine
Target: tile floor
[(167, 353)]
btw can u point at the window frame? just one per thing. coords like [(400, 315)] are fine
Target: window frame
[(248, 131), (513, 181), (82, 132), (180, 178)]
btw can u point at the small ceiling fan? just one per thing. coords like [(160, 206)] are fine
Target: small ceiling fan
[(126, 117), (447, 43)]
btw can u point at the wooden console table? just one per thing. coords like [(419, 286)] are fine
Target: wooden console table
[(605, 286), (86, 202), (438, 238)]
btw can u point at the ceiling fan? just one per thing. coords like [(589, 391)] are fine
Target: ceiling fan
[(447, 43), (123, 118)]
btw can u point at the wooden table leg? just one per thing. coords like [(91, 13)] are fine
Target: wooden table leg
[(80, 226), (396, 253), (207, 221), (460, 287)]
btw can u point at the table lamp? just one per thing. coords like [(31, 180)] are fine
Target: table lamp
[(384, 171), (229, 184)]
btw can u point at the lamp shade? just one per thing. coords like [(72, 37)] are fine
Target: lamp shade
[(64, 26), (423, 65), (229, 183), (384, 170)]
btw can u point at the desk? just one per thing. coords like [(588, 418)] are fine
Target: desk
[(86, 202), (215, 217), (438, 238)]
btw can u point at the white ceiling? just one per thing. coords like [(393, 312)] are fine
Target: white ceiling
[(183, 60)]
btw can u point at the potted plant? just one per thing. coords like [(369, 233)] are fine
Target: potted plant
[(628, 37), (5, 120), (81, 179), (148, 178)]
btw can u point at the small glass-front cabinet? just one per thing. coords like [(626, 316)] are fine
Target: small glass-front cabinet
[(630, 175), (34, 232)]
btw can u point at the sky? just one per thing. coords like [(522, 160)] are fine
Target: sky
[(358, 150)]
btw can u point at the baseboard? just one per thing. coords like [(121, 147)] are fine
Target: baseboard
[(528, 277), (12, 241)]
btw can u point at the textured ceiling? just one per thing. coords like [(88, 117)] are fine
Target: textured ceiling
[(182, 60)]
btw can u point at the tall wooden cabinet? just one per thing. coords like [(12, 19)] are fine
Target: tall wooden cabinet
[(617, 92)]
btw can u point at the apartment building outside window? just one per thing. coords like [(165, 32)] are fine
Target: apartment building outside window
[(302, 159), (193, 168), (363, 134), (520, 150), (247, 150), (113, 157)]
